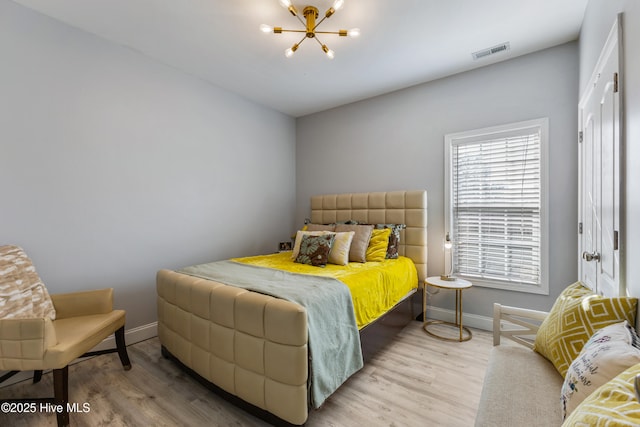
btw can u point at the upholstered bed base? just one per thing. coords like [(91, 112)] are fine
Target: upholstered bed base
[(250, 345), (254, 346)]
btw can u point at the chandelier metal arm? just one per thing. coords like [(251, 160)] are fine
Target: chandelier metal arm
[(297, 15), (342, 33), (319, 42), (282, 30), (302, 40), (321, 21)]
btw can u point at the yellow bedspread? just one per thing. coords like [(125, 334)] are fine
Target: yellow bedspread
[(375, 286)]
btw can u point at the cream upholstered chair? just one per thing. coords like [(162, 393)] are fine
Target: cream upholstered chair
[(41, 332)]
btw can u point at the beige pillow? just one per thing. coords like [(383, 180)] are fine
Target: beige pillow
[(360, 242), (319, 227), (339, 253)]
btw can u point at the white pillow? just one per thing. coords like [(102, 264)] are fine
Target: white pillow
[(609, 351), (339, 253)]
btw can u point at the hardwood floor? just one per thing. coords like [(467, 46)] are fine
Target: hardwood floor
[(416, 381)]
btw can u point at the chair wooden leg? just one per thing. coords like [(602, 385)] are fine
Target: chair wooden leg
[(61, 394), (37, 376), (122, 349)]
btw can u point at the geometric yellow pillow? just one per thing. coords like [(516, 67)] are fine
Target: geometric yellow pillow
[(613, 404), (575, 316)]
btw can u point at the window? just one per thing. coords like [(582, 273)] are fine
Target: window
[(495, 207)]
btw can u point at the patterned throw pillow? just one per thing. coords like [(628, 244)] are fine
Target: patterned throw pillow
[(613, 404), (608, 352), (314, 250), (22, 293), (377, 250), (575, 316), (299, 235), (394, 238)]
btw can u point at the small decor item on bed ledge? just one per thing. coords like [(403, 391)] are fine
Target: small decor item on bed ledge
[(285, 247)]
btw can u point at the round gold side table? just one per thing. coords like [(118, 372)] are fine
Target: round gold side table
[(458, 285)]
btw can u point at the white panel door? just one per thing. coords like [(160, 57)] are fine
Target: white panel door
[(600, 174), (590, 224)]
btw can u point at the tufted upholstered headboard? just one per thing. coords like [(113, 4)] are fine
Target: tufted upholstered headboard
[(392, 207)]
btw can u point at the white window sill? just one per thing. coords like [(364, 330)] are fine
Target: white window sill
[(516, 287)]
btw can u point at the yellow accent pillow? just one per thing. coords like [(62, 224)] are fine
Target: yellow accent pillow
[(575, 316), (613, 404), (377, 250)]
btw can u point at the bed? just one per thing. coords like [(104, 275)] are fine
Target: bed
[(258, 350)]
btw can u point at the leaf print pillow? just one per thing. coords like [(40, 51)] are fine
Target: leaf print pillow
[(314, 250)]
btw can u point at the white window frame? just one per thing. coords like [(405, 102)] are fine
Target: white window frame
[(454, 139)]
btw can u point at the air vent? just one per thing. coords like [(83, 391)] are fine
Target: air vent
[(490, 51)]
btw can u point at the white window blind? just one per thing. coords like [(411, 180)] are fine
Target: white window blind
[(496, 204)]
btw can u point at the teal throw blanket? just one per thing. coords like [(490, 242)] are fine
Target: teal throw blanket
[(334, 342)]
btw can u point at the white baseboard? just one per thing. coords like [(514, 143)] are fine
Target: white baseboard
[(470, 320), (131, 336)]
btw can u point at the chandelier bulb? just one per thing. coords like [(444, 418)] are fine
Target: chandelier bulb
[(287, 5), (328, 51), (337, 5), (266, 28), (354, 32), (289, 52)]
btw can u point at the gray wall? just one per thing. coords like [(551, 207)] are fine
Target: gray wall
[(598, 20), (396, 141), (113, 166)]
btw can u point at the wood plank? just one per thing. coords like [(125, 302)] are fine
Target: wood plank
[(417, 380)]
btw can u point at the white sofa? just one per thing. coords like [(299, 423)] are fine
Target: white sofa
[(521, 387)]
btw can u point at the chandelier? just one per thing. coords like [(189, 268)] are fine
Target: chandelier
[(310, 14)]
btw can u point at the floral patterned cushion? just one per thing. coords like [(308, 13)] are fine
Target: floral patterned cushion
[(298, 239), (314, 250), (394, 238)]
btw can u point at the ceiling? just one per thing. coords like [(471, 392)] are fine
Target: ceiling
[(403, 42)]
